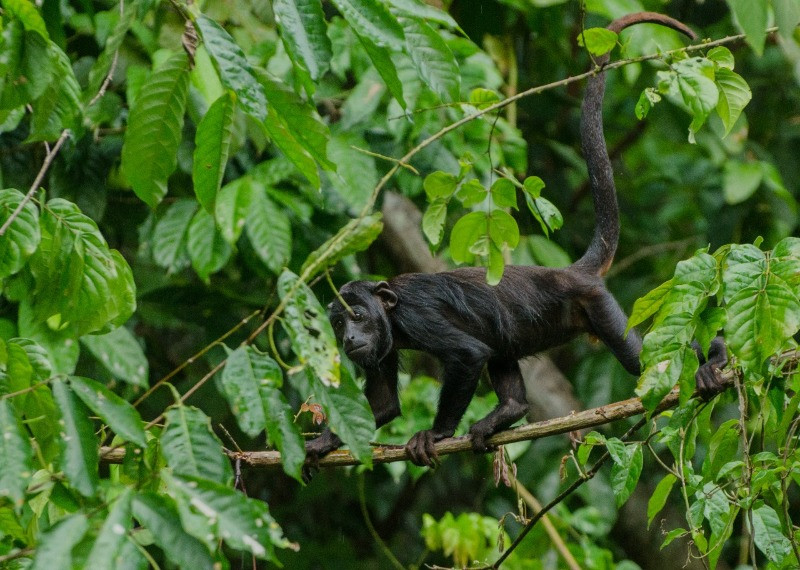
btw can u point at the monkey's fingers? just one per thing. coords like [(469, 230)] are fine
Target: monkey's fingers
[(709, 381), (421, 449)]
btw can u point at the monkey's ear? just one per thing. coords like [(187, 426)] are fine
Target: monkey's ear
[(385, 294)]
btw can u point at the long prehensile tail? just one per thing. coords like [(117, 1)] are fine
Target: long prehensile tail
[(600, 253)]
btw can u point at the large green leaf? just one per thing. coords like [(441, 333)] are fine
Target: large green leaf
[(751, 17), (22, 236), (252, 382), (118, 414), (300, 119), (768, 534), (171, 234), (155, 123), (734, 95), (212, 145), (787, 16), (355, 175), (381, 58), (80, 283), (59, 106), (371, 19), (286, 140), (158, 514), (309, 330), (15, 449), (121, 354), (102, 65), (233, 205), (346, 408), (424, 11), (29, 67), (79, 446), (243, 523), (234, 70), (54, 549), (269, 230), (627, 468), (691, 83), (434, 61), (28, 14), (356, 236), (304, 33), (740, 180), (108, 549), (191, 448), (659, 497), (207, 248)]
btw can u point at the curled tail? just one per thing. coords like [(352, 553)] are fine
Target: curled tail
[(600, 253)]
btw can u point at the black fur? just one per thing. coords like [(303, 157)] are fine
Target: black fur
[(469, 325)]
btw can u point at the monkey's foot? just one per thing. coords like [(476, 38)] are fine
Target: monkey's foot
[(501, 417), (421, 449), (317, 448)]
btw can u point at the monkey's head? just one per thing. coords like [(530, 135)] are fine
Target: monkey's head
[(364, 328)]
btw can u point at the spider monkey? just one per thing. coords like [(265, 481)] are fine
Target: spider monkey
[(468, 325)]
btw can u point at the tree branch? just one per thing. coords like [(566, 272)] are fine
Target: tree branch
[(391, 453)]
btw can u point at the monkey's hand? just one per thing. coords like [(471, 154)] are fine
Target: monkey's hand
[(317, 448), (709, 377), (421, 449)]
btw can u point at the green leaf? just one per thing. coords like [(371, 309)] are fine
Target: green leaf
[(768, 534), (503, 229), (108, 550), (439, 185), (155, 124), (234, 70), (207, 248), (433, 221), (645, 307), (598, 41), (28, 64), (59, 106), (722, 57), (269, 231), (371, 19), (659, 497), (309, 330), (346, 408), (80, 283), (626, 470), (504, 193), (787, 16), (423, 11), (159, 515), (118, 414), (251, 382), (15, 449), (434, 61), (285, 139), (721, 449), (471, 193), (355, 236), (482, 98), (300, 119), (533, 186), (22, 236), (79, 446), (54, 549), (212, 145), (355, 175), (382, 60), (465, 233), (29, 16), (304, 33), (171, 233), (495, 266), (102, 65), (233, 205), (734, 95), (120, 353), (191, 448), (751, 18), (647, 100), (243, 523), (545, 212), (691, 83)]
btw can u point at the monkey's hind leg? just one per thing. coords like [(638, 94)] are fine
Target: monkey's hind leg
[(507, 382), (608, 322)]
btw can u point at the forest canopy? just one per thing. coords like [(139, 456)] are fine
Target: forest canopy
[(186, 186)]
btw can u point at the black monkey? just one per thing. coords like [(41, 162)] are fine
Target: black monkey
[(467, 324)]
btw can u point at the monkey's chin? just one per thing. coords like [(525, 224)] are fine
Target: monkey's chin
[(361, 355)]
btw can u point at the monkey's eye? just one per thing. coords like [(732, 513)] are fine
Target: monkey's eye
[(357, 315), (337, 324)]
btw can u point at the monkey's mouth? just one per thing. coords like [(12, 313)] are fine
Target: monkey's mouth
[(356, 352)]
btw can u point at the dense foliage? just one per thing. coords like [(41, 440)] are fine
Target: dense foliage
[(184, 185)]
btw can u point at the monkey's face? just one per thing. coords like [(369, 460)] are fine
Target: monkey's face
[(364, 330)]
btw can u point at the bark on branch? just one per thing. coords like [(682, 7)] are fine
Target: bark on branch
[(390, 453)]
